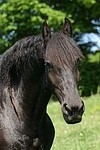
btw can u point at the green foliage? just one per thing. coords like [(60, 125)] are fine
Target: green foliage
[(82, 136), (95, 57), (82, 12), (87, 3), (21, 18), (85, 17), (90, 75)]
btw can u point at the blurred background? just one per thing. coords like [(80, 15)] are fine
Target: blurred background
[(21, 18)]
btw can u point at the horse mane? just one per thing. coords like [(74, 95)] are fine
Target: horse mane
[(20, 54), (62, 48)]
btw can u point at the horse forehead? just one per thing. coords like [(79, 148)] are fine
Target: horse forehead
[(60, 51), (61, 48), (59, 62)]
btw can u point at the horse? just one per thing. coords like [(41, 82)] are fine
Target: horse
[(33, 69)]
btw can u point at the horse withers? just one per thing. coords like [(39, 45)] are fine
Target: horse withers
[(31, 71)]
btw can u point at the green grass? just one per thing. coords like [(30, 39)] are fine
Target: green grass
[(82, 136)]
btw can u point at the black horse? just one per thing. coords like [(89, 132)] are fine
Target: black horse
[(30, 71)]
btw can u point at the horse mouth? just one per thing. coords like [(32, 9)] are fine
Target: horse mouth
[(72, 119)]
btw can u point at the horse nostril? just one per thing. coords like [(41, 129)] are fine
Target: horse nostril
[(67, 109), (75, 110), (82, 108)]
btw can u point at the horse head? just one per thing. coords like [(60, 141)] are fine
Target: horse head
[(61, 58)]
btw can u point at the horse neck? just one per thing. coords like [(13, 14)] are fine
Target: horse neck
[(23, 75), (29, 90)]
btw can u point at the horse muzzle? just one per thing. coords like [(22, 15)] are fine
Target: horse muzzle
[(72, 119), (73, 114)]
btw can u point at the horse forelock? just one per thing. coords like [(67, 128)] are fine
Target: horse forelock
[(62, 49)]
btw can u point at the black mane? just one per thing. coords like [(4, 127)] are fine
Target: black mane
[(26, 52)]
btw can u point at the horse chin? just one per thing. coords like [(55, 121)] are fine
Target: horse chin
[(72, 119)]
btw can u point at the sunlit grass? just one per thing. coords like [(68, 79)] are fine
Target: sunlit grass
[(82, 136)]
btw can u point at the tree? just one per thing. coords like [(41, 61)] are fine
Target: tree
[(85, 17), (20, 18), (90, 75)]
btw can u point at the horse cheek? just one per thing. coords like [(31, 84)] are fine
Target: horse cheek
[(53, 79)]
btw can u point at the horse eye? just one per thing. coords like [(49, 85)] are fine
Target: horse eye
[(48, 65)]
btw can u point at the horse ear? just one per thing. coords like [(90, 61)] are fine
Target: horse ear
[(46, 32), (67, 27)]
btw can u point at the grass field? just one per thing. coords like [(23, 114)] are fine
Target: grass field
[(82, 136)]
